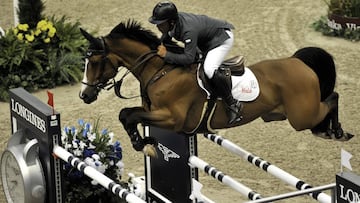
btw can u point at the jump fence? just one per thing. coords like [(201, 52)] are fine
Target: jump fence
[(220, 176), (266, 166)]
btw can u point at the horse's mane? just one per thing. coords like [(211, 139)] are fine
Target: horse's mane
[(133, 30)]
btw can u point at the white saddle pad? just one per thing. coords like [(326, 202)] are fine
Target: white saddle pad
[(244, 88)]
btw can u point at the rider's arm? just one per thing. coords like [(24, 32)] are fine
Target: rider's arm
[(190, 50)]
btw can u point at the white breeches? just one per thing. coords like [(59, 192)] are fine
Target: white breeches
[(216, 56)]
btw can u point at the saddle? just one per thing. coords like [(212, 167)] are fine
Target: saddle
[(237, 67), (235, 64)]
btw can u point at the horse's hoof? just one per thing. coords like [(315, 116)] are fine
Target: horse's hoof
[(342, 137), (150, 150), (338, 134), (139, 146), (323, 135), (150, 140)]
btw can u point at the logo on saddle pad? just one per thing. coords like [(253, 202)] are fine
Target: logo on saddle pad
[(168, 153)]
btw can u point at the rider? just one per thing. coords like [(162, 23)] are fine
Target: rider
[(212, 36)]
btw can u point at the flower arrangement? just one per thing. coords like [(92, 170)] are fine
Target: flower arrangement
[(40, 52), (342, 19), (97, 149), (44, 31)]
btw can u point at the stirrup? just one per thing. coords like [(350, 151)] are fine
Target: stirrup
[(235, 114)]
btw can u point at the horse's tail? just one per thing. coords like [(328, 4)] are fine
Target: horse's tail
[(323, 65)]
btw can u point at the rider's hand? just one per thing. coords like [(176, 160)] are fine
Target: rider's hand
[(161, 50)]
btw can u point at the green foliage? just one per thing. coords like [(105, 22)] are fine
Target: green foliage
[(349, 8), (45, 56), (346, 8), (321, 25)]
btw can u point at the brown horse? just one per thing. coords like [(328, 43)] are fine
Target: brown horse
[(299, 88)]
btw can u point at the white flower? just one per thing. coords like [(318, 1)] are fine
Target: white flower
[(67, 146), (75, 144), (111, 162), (120, 164), (111, 135), (91, 146), (120, 171), (101, 168), (90, 162), (102, 154), (95, 156), (82, 145), (77, 152), (91, 136)]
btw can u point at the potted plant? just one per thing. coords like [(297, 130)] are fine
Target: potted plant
[(344, 14), (342, 19), (98, 150), (40, 52)]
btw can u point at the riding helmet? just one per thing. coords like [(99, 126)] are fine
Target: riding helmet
[(163, 12)]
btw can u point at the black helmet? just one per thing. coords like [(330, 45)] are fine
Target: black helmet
[(163, 12)]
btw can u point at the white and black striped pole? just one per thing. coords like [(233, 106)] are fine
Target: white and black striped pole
[(194, 161), (269, 168), (96, 175)]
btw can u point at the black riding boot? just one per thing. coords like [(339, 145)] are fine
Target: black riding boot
[(221, 84)]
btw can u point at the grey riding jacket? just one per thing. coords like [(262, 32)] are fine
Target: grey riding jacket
[(196, 32)]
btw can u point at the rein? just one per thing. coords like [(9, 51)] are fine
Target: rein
[(138, 63)]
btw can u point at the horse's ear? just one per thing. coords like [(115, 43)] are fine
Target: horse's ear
[(88, 36)]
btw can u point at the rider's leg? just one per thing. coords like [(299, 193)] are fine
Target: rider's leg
[(216, 56), (220, 80)]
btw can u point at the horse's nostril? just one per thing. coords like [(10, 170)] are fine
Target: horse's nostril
[(82, 96)]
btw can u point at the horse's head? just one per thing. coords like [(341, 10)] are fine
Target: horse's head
[(100, 67), (128, 45)]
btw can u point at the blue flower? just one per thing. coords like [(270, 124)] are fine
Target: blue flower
[(84, 133), (117, 146), (81, 122), (66, 129), (119, 155), (87, 126), (104, 132), (88, 152)]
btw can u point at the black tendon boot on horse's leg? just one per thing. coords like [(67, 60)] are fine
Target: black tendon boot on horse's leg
[(335, 131), (221, 84), (137, 141)]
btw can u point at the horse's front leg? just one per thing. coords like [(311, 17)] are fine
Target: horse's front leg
[(129, 122)]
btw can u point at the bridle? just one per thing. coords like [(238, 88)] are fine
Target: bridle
[(139, 62), (104, 59)]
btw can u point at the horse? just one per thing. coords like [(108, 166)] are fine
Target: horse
[(299, 88)]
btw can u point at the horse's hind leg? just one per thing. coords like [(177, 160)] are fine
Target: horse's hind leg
[(336, 132), (331, 121)]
